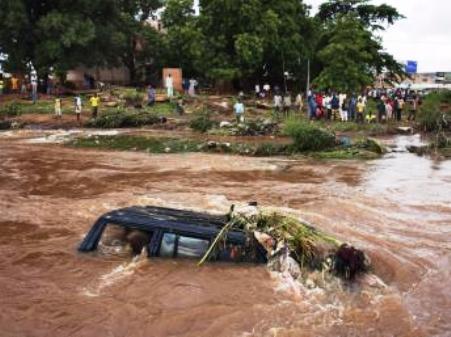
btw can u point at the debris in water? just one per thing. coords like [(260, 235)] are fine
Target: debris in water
[(293, 246)]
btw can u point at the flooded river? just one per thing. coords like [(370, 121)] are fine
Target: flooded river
[(397, 208)]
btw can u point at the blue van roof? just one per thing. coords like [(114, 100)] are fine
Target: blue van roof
[(150, 218)]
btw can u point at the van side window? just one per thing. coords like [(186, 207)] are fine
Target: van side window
[(191, 247), (167, 245)]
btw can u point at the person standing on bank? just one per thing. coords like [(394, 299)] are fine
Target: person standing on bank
[(287, 104), (95, 101), (34, 86), (192, 87), (169, 83), (352, 107), (278, 104), (381, 111), (360, 110), (398, 109), (78, 107), (413, 108), (239, 111), (151, 95), (299, 102), (58, 112)]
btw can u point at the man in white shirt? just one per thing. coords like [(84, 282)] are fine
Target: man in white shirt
[(328, 106), (78, 107), (257, 90), (299, 102), (343, 112), (169, 83), (267, 89)]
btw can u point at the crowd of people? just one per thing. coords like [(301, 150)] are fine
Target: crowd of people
[(332, 106), (28, 85), (338, 107)]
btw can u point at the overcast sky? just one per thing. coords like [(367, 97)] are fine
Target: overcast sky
[(423, 36)]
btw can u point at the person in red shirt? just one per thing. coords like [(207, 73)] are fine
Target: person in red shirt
[(319, 105)]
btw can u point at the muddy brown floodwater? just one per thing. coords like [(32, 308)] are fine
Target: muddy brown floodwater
[(397, 208)]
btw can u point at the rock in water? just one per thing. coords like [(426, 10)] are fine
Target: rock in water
[(225, 124)]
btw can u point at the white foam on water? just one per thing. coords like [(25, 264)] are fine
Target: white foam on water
[(116, 275)]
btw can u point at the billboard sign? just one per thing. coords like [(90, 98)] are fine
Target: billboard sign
[(411, 67)]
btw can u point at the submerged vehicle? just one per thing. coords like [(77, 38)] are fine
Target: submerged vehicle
[(171, 233)]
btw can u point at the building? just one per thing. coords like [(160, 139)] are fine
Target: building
[(120, 76), (434, 80)]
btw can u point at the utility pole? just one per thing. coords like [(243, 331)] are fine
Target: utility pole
[(284, 74), (308, 78)]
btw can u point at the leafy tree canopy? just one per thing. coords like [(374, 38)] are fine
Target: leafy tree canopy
[(371, 15)]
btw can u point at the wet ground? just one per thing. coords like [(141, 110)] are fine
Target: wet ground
[(396, 208)]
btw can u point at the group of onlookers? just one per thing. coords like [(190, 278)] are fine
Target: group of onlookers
[(26, 86), (337, 107), (393, 107)]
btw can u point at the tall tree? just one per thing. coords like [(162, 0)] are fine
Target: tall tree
[(140, 43), (57, 33), (371, 16), (246, 39), (349, 53), (183, 37)]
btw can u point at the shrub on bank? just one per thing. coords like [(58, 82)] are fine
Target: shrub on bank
[(435, 110), (122, 118), (133, 98), (12, 109), (202, 123), (308, 137)]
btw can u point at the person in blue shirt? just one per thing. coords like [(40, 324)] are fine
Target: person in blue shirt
[(239, 111), (151, 95)]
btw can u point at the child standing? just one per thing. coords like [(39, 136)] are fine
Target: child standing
[(239, 111), (58, 112), (94, 100), (360, 110), (77, 106)]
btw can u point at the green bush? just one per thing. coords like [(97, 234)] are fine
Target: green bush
[(308, 137), (435, 107), (122, 119), (10, 110), (202, 123), (137, 143), (133, 97)]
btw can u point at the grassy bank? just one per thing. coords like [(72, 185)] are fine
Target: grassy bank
[(174, 145), (47, 106)]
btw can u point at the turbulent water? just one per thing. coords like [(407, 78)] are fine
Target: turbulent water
[(397, 208)]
